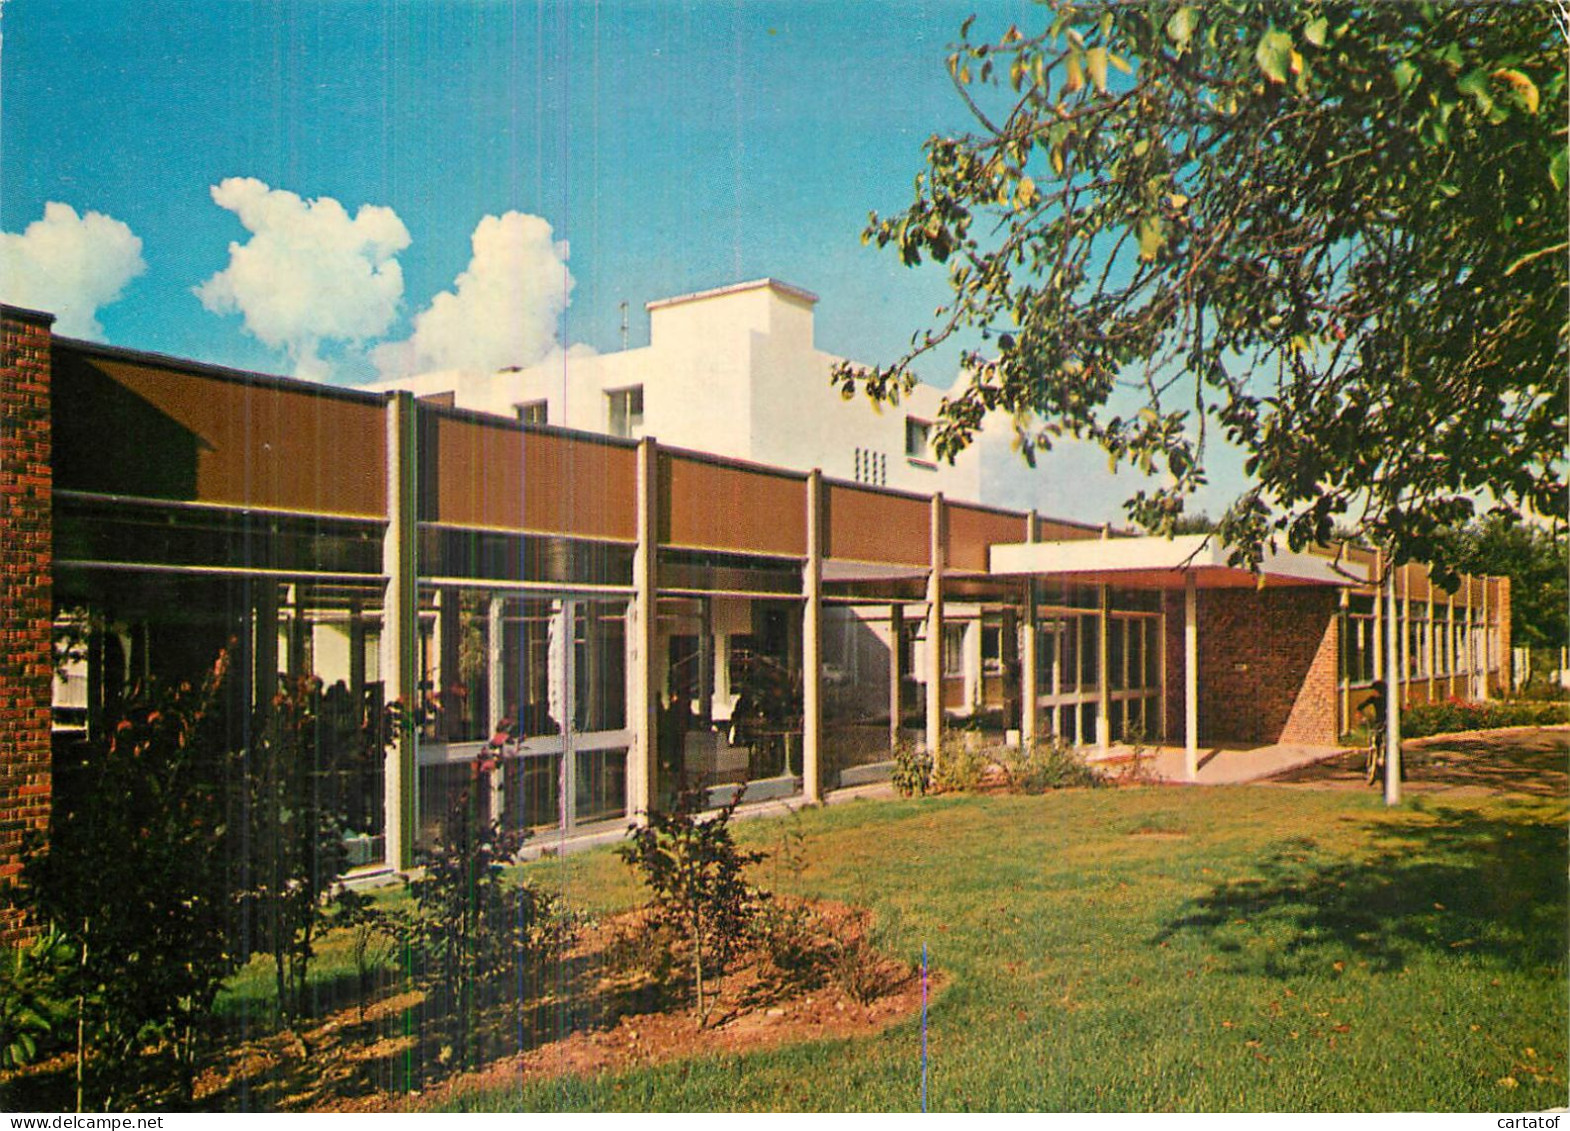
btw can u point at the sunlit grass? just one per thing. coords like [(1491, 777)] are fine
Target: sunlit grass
[(1164, 949)]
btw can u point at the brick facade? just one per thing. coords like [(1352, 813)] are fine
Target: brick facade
[(26, 565), (1267, 665)]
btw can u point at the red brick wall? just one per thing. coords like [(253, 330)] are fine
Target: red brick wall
[(1267, 665), (26, 566)]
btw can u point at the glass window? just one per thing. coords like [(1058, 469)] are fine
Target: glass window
[(625, 412), (534, 412), (953, 650), (918, 438)]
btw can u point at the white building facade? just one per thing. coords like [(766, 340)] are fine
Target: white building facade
[(732, 371)]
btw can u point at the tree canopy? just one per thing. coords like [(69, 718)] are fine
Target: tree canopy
[(1335, 234)]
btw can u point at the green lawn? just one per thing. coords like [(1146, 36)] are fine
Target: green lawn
[(1166, 949)]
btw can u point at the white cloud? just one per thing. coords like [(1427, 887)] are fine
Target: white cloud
[(70, 266), (309, 273), (504, 307)]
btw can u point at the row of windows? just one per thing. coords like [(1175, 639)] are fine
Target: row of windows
[(1442, 646)]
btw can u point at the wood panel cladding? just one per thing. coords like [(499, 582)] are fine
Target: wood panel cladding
[(707, 504), (480, 473), (134, 427), (876, 526)]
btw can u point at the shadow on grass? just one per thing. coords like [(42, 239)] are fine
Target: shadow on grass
[(1453, 882)]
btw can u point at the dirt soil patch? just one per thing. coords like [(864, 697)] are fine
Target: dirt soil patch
[(1531, 761), (596, 1013)]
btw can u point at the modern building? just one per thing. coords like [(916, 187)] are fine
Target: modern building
[(734, 372), (632, 615)]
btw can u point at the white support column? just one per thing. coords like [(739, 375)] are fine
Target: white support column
[(1379, 619), (935, 631), (812, 645), (1469, 641), (896, 671), (1392, 700), (566, 616), (1485, 647), (1405, 609), (1190, 678), (1431, 666), (1103, 662), (643, 704), (1029, 708), (400, 638)]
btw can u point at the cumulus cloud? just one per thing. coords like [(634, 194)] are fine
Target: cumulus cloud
[(310, 273), (502, 310), (70, 266)]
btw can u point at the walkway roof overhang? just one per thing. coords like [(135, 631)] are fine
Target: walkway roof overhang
[(1157, 563)]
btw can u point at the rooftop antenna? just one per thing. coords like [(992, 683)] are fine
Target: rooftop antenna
[(624, 325)]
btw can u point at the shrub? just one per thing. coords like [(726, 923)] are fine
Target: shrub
[(374, 934), (697, 876), (29, 1012), (1460, 715), (137, 875), (912, 770), (1049, 763), (959, 767), (477, 929)]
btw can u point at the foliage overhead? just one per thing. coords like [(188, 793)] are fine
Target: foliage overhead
[(1333, 233)]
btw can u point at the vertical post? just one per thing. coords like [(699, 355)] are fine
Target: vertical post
[(896, 672), (812, 645), (1029, 671), (1405, 635), (1379, 618), (1431, 668), (935, 631), (1344, 676), (265, 652), (357, 656), (449, 678), (400, 639), (1190, 678), (567, 625), (1103, 653), (1486, 658), (1392, 699), (1103, 661), (495, 693), (1452, 657), (644, 707)]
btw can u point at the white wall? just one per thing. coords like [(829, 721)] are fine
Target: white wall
[(734, 372)]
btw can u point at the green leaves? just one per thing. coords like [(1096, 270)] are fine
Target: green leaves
[(1180, 28), (1274, 55), (1358, 280)]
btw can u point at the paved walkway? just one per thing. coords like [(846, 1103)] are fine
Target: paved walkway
[(1217, 765)]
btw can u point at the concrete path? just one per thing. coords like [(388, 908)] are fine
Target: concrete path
[(1217, 765)]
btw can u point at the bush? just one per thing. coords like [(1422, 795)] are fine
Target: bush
[(959, 767), (1048, 763), (29, 1012), (139, 875), (1461, 715), (480, 932), (696, 874), (912, 770)]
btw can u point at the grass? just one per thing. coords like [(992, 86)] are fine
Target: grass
[(1164, 950)]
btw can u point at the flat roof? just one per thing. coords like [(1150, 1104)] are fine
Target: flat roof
[(1157, 563), (790, 290)]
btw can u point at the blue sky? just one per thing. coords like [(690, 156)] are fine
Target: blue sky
[(673, 146)]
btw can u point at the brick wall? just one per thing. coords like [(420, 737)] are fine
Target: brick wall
[(26, 566), (1503, 619), (1267, 665)]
